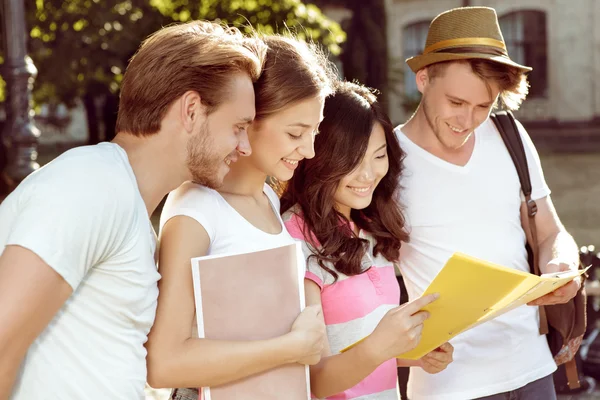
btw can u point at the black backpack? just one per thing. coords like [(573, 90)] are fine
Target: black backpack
[(563, 324)]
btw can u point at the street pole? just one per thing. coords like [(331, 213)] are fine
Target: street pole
[(20, 134)]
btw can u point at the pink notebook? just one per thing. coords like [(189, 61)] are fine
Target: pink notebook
[(253, 296)]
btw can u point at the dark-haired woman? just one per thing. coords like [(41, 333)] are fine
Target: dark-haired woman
[(342, 205)]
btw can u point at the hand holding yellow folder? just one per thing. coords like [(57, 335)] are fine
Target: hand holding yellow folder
[(464, 302)]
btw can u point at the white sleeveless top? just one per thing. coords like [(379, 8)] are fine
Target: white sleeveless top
[(229, 232)]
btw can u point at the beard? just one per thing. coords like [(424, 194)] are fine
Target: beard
[(448, 142), (203, 162), (428, 118)]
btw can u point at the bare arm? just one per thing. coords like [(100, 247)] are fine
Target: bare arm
[(175, 358), (31, 293), (557, 250), (334, 374), (398, 332)]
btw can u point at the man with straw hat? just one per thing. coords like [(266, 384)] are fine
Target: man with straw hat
[(462, 193)]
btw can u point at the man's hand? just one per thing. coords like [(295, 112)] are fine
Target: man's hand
[(562, 294), (437, 360)]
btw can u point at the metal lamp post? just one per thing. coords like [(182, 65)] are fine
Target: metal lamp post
[(20, 134)]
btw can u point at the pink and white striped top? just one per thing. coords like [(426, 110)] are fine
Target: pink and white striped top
[(353, 306)]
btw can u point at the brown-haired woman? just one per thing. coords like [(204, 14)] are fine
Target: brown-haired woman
[(242, 216), (342, 205)]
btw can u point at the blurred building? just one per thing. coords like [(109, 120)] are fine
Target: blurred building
[(560, 39)]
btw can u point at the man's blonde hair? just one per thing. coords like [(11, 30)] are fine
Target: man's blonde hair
[(511, 81), (200, 56)]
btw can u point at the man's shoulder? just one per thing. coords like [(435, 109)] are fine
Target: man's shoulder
[(97, 159), (84, 175), (87, 167)]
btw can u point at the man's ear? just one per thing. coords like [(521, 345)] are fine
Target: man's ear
[(422, 79), (192, 111)]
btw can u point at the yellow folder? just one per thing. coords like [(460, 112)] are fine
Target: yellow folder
[(473, 291)]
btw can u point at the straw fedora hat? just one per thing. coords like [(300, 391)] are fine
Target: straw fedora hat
[(461, 34)]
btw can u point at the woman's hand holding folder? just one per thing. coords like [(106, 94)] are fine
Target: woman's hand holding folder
[(399, 331), (309, 330)]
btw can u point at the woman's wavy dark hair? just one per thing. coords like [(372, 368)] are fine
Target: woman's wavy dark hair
[(349, 117)]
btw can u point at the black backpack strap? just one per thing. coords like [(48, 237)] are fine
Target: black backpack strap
[(505, 122), (507, 127)]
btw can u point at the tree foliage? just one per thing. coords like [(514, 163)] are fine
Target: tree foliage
[(80, 46)]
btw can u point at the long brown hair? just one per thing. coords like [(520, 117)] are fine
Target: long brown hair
[(293, 71), (349, 117)]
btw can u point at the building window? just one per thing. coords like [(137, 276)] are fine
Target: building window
[(414, 37), (526, 41)]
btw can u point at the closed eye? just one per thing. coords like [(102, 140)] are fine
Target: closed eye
[(295, 137)]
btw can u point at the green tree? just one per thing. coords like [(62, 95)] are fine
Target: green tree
[(78, 45), (81, 47), (267, 16)]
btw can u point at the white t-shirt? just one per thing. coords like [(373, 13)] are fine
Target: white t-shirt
[(473, 209), (228, 231), (84, 216)]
